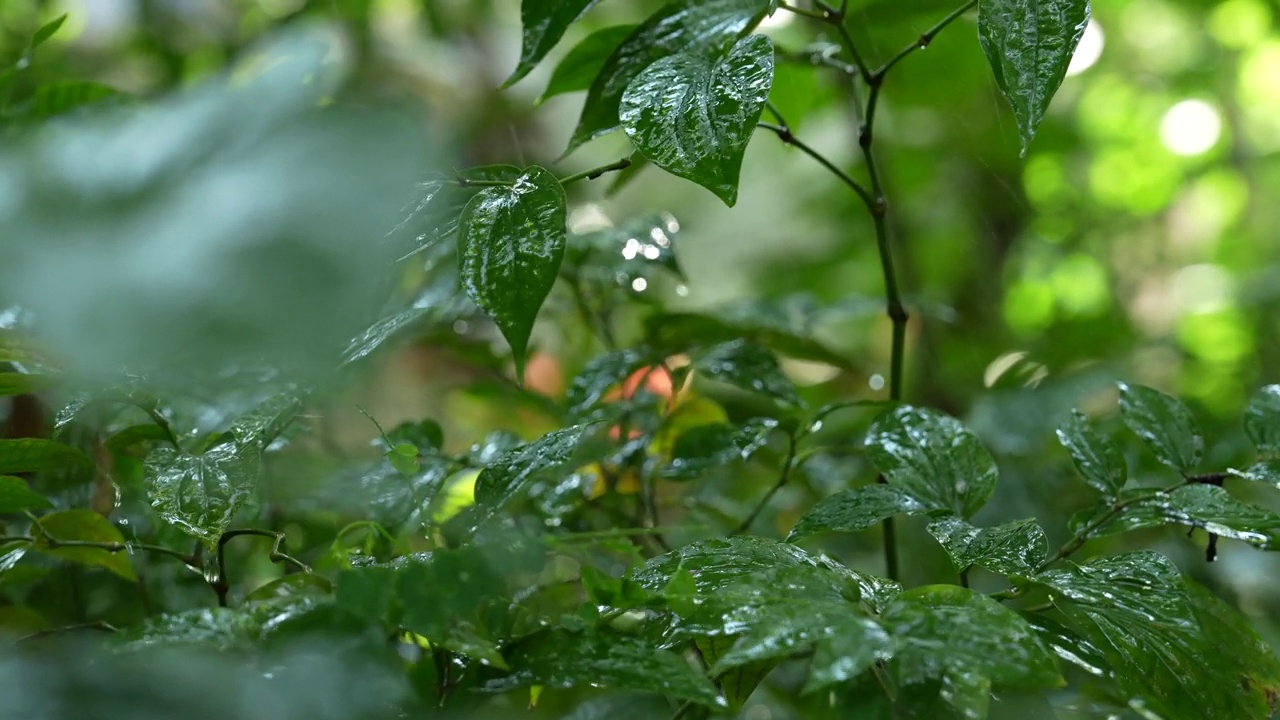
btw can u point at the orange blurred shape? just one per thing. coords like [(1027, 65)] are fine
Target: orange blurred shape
[(543, 374)]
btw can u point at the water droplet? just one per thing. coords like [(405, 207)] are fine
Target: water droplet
[(639, 284), (682, 290), (461, 327), (876, 382)]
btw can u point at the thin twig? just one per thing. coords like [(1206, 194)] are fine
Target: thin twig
[(94, 625), (221, 586), (594, 173), (787, 466), (926, 37), (1117, 507), (784, 134)]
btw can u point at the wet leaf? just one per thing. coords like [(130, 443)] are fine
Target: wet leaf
[(693, 116), (1068, 645), (16, 496), (35, 455), (1096, 457), (1263, 471), (201, 493), (703, 448), (680, 332), (216, 628), (934, 458), (681, 26), (599, 376), (511, 242), (443, 597), (1202, 506), (1262, 421), (585, 61), (1015, 548), (433, 215), (751, 367), (1029, 44), (738, 683), (289, 586), (969, 642), (1164, 424), (135, 435), (84, 526), (508, 474), (856, 509), (544, 23)]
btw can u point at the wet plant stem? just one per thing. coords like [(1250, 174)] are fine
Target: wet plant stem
[(221, 585), (1117, 507), (783, 478), (50, 543), (594, 173)]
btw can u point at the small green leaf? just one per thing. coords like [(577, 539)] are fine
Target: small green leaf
[(62, 97), (201, 493), (1164, 424), (1262, 421), (703, 448), (544, 23), (599, 376), (404, 458), (751, 367), (1263, 471), (85, 526), (47, 31), (693, 26), (1015, 548), (934, 458), (12, 383), (35, 455), (693, 116), (585, 61), (508, 474), (856, 509), (1201, 506), (16, 496), (1029, 44), (738, 683), (1096, 457), (511, 242)]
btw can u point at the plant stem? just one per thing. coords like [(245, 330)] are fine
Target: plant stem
[(94, 625), (1117, 507), (594, 173), (927, 37), (783, 479), (52, 543), (784, 134), (220, 584), (802, 12)]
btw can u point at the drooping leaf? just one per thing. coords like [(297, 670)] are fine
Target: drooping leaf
[(544, 23), (856, 509), (16, 496), (693, 26), (585, 61), (601, 374), (1069, 645), (969, 642), (1201, 506), (693, 116), (511, 242), (934, 458), (1164, 424), (1262, 421), (84, 526), (751, 367), (1015, 548), (35, 455), (201, 493), (703, 448), (1029, 44), (1096, 457)]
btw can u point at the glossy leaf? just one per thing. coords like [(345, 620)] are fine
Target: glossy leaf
[(85, 526), (681, 26), (738, 683), (201, 493), (585, 61), (856, 509), (701, 449), (679, 332), (16, 496), (1015, 548), (693, 116), (599, 376), (751, 367), (1096, 457), (35, 455), (1164, 424), (1069, 645), (438, 203), (1029, 44), (1201, 506), (509, 474), (934, 458), (969, 642), (511, 242), (544, 23), (1263, 471), (1262, 421)]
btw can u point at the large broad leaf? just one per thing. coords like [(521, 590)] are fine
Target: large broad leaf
[(1015, 548), (544, 23), (1029, 44), (16, 496), (1175, 651), (201, 493), (35, 455), (1069, 645), (1164, 424), (751, 367), (558, 658), (694, 26), (934, 458), (1096, 457), (693, 116), (511, 241), (1262, 421), (856, 509), (969, 642), (85, 526), (1201, 506), (585, 61)]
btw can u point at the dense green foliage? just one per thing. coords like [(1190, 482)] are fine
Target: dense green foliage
[(219, 283)]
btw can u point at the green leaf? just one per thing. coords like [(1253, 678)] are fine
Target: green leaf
[(47, 31), (544, 23), (12, 383), (256, 429), (444, 597), (16, 496), (934, 458), (507, 475), (433, 215), (35, 455), (693, 116), (1015, 548), (1068, 645), (856, 509), (134, 435), (290, 586), (404, 458), (511, 242), (1029, 44), (1175, 652), (218, 628), (85, 526), (597, 657), (1096, 457), (751, 367), (694, 26), (1263, 471), (1262, 421), (600, 375), (201, 493), (739, 683), (675, 333), (424, 435), (59, 98), (1164, 424), (969, 642), (585, 61), (703, 448), (1202, 506)]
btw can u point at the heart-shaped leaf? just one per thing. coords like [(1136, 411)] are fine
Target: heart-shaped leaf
[(511, 241), (693, 116)]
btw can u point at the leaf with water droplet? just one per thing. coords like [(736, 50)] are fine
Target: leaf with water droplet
[(934, 458), (601, 374), (703, 448), (751, 367), (1164, 424), (1200, 506), (84, 526), (544, 23), (1015, 548), (1262, 421), (201, 493), (856, 509), (1096, 456)]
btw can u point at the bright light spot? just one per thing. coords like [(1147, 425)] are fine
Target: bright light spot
[(639, 284), (673, 226), (1202, 288), (876, 382), (780, 18), (1192, 127), (1000, 366), (682, 290), (588, 218), (651, 252), (807, 373), (1089, 49), (461, 327), (659, 237), (631, 249)]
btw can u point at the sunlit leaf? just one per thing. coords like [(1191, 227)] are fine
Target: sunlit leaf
[(84, 526), (1096, 457), (1164, 424), (856, 509), (1015, 548), (544, 23), (585, 61)]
